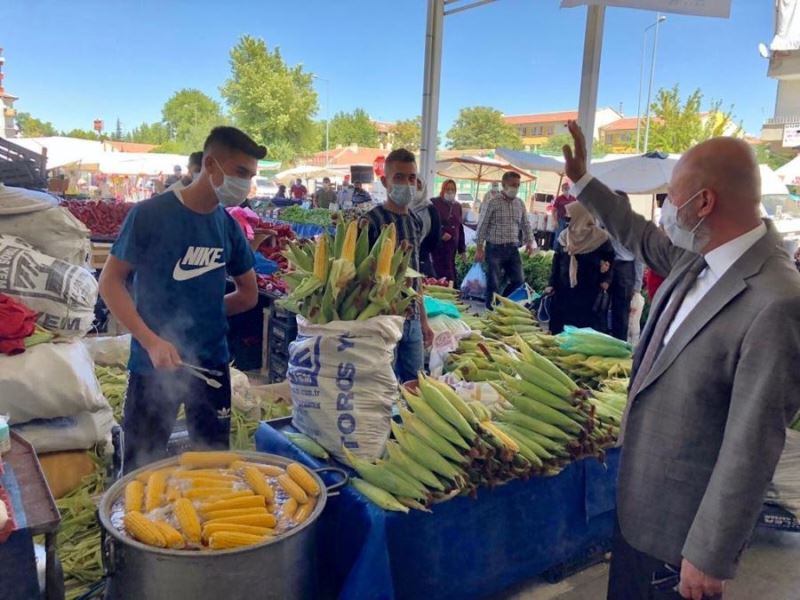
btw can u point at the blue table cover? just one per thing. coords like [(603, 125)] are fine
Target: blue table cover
[(468, 547), (306, 230), (18, 577)]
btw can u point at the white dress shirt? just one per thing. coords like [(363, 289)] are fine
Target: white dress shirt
[(719, 261)]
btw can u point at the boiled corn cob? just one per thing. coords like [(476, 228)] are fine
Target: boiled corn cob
[(171, 535), (289, 508), (187, 519), (223, 540), (291, 488), (202, 460), (134, 496), (143, 529), (243, 502), (255, 479), (215, 493), (234, 512), (156, 489), (262, 520), (214, 528), (304, 511), (303, 478), (268, 470)]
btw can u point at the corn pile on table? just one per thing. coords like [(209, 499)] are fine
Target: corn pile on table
[(467, 547)]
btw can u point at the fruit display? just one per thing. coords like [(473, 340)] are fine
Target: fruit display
[(215, 501), (343, 279), (102, 218)]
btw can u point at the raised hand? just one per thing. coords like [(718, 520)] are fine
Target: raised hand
[(575, 159)]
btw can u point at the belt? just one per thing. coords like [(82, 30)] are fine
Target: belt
[(508, 245)]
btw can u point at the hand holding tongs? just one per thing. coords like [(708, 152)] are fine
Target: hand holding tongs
[(198, 372)]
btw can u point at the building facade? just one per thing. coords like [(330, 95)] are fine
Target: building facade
[(8, 121), (537, 129)]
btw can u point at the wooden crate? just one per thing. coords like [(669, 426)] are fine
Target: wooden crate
[(100, 252)]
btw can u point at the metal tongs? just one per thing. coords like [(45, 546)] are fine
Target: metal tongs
[(201, 372)]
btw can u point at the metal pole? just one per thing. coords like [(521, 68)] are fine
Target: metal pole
[(431, 87), (590, 74), (641, 83), (650, 86), (327, 122)]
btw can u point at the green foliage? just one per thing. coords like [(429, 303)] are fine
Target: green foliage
[(463, 264), (270, 100), (408, 134), (189, 115), (677, 126), (536, 269), (312, 216), (353, 128), (32, 127), (83, 134), (149, 133), (482, 127), (554, 146), (774, 158)]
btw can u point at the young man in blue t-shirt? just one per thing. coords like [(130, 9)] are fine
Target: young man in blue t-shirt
[(179, 246)]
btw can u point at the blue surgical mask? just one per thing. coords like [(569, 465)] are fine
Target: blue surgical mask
[(402, 195), (679, 236), (233, 190)]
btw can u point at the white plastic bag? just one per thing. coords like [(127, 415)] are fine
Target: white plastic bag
[(635, 319), (48, 381), (109, 350), (241, 398), (64, 295), (785, 487), (79, 432), (474, 284), (343, 384), (51, 229)]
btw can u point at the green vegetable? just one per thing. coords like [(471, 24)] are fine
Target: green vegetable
[(311, 216)]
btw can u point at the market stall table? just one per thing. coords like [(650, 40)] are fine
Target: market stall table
[(468, 547), (35, 513)]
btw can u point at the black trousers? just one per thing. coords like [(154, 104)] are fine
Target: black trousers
[(502, 262), (635, 575), (621, 295), (151, 409)]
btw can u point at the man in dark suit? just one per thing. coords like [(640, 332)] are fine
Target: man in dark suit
[(715, 377)]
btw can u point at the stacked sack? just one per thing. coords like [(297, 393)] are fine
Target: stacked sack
[(50, 391)]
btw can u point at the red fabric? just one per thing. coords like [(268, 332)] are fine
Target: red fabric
[(560, 205), (17, 322), (299, 191), (11, 525), (652, 281)]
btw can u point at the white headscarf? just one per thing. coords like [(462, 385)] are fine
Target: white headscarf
[(582, 236), (419, 206)]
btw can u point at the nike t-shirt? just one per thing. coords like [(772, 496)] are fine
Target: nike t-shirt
[(180, 259)]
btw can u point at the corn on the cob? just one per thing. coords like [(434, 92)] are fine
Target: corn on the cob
[(294, 490), (224, 472), (507, 441), (214, 528), (268, 470), (384, 477), (243, 502), (263, 520), (303, 478), (378, 495), (255, 479), (289, 508), (204, 476), (398, 456), (223, 540), (204, 460), (304, 511), (143, 529), (171, 535), (144, 476), (156, 488), (234, 512), (307, 445), (173, 493), (215, 493), (433, 420), (416, 426), (454, 399), (444, 408), (134, 496), (423, 454), (187, 518), (204, 482)]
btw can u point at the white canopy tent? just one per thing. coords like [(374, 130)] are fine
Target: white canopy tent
[(636, 174), (532, 161), (62, 151), (308, 172), (789, 173), (771, 183), (129, 163), (592, 50)]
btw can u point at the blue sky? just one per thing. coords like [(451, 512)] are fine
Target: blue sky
[(73, 61)]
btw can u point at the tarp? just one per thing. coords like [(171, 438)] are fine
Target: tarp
[(771, 183), (700, 8), (468, 547), (787, 26), (62, 150), (790, 172), (130, 163), (478, 168), (636, 173), (306, 172), (532, 161)]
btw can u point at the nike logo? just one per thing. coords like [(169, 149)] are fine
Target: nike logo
[(202, 258)]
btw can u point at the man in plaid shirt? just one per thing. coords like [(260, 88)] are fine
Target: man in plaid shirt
[(503, 227)]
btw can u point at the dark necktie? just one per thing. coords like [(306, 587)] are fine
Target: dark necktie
[(656, 342)]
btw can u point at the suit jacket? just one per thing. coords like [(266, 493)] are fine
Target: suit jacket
[(707, 427)]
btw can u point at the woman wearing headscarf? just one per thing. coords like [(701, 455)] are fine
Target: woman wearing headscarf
[(581, 272), (429, 236), (451, 238)]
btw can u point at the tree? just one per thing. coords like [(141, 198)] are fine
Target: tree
[(554, 146), (117, 135), (676, 126), (83, 134), (147, 133), (270, 100), (408, 134), (773, 158), (353, 128), (32, 127), (482, 127), (189, 115)]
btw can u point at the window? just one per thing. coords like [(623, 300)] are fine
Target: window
[(550, 130), (537, 130), (609, 139), (524, 131)]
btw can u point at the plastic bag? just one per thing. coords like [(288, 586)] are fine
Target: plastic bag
[(474, 284), (343, 384), (109, 350), (79, 432), (592, 343), (635, 319)]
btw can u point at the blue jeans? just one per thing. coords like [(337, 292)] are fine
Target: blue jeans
[(409, 356)]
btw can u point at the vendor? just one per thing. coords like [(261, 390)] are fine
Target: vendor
[(194, 167), (400, 181), (180, 246)]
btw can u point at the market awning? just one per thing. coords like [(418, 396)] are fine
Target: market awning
[(532, 161), (476, 168), (636, 174), (306, 172)]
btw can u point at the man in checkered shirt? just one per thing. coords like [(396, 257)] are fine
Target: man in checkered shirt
[(503, 227)]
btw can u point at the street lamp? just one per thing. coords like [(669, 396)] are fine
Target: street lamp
[(327, 117), (660, 19)]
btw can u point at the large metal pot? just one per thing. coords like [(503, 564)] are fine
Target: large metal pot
[(282, 568)]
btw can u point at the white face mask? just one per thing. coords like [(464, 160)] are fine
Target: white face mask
[(449, 196), (402, 195), (233, 190), (511, 192), (679, 236)]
